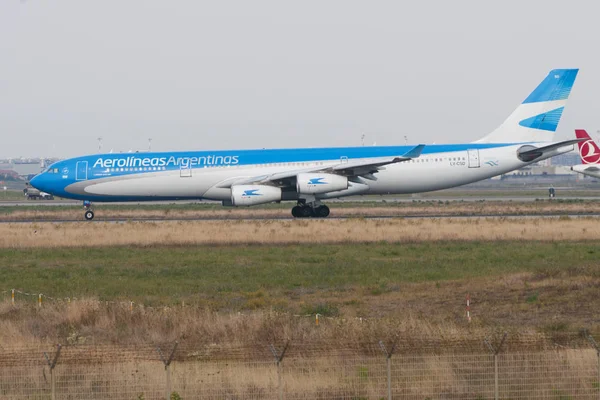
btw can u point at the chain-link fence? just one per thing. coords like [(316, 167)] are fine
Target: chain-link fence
[(284, 371)]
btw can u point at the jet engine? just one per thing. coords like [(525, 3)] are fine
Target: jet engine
[(250, 195), (320, 183)]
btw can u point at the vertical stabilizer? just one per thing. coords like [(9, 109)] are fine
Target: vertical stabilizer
[(537, 118)]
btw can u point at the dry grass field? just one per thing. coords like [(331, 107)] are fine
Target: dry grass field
[(110, 352), (540, 273), (99, 323), (225, 290), (355, 230)]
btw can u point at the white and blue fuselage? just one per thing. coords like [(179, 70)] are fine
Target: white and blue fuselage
[(310, 175), (197, 175)]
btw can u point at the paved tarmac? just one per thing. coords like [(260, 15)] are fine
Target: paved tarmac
[(104, 215), (108, 219), (64, 203)]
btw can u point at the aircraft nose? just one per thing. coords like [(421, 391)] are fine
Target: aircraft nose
[(36, 182)]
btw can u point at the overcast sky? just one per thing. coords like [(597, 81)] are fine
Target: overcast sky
[(252, 74)]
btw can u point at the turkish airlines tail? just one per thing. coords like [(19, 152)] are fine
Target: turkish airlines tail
[(588, 149)]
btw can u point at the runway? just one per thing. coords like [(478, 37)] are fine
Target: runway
[(290, 218), (469, 199), (383, 207)]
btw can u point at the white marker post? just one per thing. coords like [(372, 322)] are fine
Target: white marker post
[(469, 308)]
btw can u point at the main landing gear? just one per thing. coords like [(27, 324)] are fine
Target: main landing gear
[(89, 210), (307, 211)]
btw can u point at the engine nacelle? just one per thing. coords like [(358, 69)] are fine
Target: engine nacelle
[(320, 183), (250, 195)]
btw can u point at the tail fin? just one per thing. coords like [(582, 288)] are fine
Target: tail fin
[(588, 149), (536, 119)]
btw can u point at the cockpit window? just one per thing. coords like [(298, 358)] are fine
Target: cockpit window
[(52, 171)]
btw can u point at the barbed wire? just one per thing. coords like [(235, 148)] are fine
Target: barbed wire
[(84, 354)]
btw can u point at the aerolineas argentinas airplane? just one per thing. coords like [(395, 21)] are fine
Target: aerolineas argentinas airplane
[(309, 176)]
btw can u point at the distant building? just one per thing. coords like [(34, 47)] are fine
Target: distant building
[(571, 158), (8, 175), (27, 169), (22, 168), (540, 169)]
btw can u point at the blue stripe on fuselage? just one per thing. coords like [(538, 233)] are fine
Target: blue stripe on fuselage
[(66, 172), (130, 163)]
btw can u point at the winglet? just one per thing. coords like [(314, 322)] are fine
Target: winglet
[(414, 152)]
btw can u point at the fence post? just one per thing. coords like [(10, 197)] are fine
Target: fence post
[(495, 351), (278, 359), (52, 364), (591, 339), (388, 356), (167, 363)]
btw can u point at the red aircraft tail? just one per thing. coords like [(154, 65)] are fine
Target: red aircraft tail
[(588, 149)]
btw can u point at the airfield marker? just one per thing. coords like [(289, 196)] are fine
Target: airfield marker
[(469, 307)]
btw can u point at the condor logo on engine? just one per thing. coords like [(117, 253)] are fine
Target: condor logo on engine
[(251, 192), (250, 195), (320, 183), (317, 181)]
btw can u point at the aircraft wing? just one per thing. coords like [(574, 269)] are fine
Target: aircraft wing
[(364, 168)]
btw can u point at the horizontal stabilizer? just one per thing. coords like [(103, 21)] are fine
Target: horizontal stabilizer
[(585, 168), (529, 153)]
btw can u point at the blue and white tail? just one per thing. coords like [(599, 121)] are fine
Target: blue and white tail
[(536, 119)]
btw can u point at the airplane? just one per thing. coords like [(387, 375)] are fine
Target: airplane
[(589, 153), (308, 176)]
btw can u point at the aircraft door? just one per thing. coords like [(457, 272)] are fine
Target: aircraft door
[(185, 170), (473, 155), (81, 171)]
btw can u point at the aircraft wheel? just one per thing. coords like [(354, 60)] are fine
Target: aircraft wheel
[(322, 212), (89, 215), (306, 212), (296, 212)]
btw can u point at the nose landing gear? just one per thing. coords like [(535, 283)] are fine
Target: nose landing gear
[(89, 211)]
